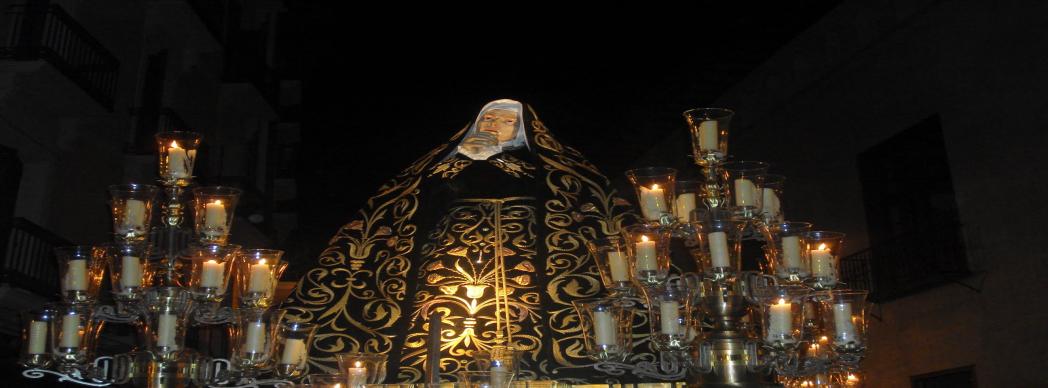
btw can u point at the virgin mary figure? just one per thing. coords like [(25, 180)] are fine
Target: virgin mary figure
[(487, 229)]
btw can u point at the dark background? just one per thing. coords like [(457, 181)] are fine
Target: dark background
[(610, 86)]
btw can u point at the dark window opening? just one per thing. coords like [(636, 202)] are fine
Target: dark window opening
[(916, 240), (963, 377)]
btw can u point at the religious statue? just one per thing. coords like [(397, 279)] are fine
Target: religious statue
[(488, 229)]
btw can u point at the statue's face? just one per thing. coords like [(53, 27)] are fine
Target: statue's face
[(500, 122)]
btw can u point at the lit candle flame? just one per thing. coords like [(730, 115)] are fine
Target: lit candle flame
[(174, 144), (782, 301), (338, 385), (852, 378), (643, 238), (356, 364), (655, 186), (822, 247), (262, 261), (217, 202), (212, 261)]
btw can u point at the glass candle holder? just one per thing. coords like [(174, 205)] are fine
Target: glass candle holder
[(817, 350), (254, 339), (184, 368), (709, 129), (606, 328), (719, 233), (208, 268), (656, 193), (74, 332), (771, 198), (176, 154), (503, 362), (81, 269), (132, 208), (823, 249), (484, 379), (669, 313), (785, 253), (294, 339), (213, 209), (689, 198), (744, 180), (129, 272), (166, 319), (319, 380), (257, 275), (850, 378), (36, 340), (362, 368), (782, 317), (612, 259), (844, 319), (648, 249)]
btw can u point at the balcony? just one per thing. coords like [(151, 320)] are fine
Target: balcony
[(29, 261), (48, 33), (907, 264)]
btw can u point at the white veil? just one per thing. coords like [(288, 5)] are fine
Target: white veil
[(518, 141)]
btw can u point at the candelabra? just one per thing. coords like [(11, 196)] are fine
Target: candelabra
[(184, 288), (723, 325)]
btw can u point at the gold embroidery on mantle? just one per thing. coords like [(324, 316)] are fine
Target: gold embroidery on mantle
[(580, 209), (383, 234), (513, 166), (450, 168), (458, 278)]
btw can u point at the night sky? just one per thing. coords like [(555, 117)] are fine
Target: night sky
[(372, 105)]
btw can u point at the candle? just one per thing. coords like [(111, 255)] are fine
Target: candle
[(130, 272), (822, 263), (294, 352), (37, 337), (498, 374), (166, 327), (606, 328), (619, 267), (685, 205), (842, 322), (260, 279), (215, 217), (70, 331), (708, 135), (134, 215), (791, 252), (254, 337), (211, 275), (358, 375), (770, 205), (646, 260), (669, 314), (76, 276), (780, 322), (852, 380), (177, 161), (652, 202), (719, 249), (744, 192)]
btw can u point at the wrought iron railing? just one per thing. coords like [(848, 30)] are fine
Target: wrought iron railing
[(29, 259), (908, 264), (49, 33)]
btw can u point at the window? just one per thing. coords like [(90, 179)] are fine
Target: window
[(911, 213)]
